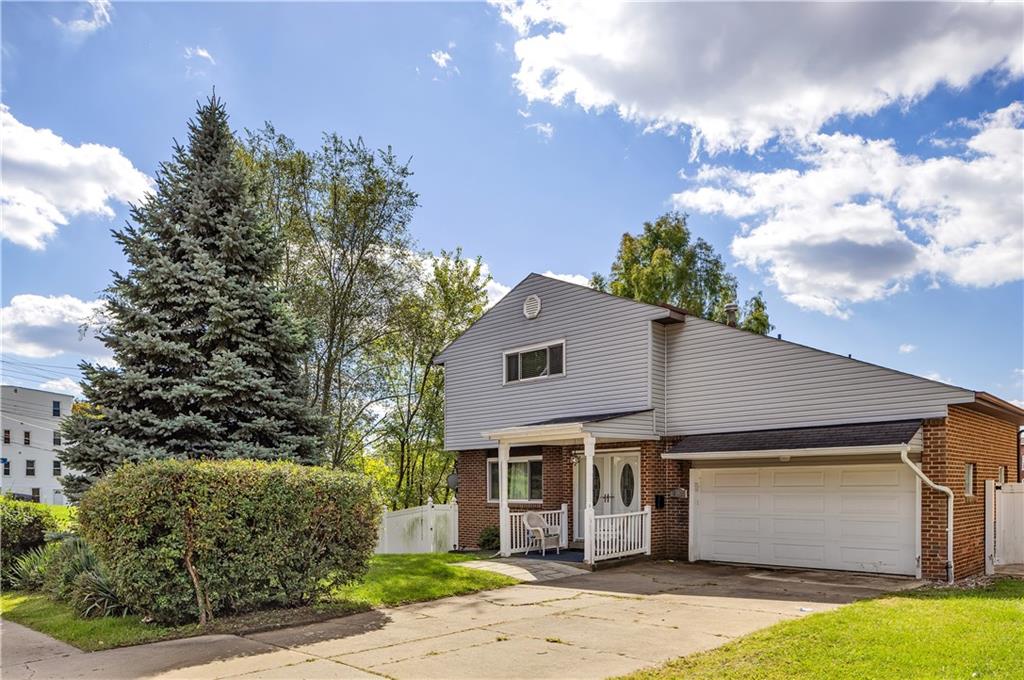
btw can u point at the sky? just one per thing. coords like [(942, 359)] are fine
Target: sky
[(859, 164)]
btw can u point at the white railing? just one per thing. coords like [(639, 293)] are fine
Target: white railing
[(627, 533), (433, 527), (556, 518)]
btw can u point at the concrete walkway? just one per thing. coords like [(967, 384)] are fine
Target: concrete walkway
[(527, 570), (593, 625)]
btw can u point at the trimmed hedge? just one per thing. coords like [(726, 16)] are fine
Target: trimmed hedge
[(23, 527), (186, 540)]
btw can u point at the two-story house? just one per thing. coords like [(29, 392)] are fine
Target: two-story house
[(31, 436), (639, 429)]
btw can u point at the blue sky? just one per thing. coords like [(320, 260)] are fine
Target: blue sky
[(869, 182)]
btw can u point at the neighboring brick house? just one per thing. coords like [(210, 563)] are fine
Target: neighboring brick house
[(706, 442)]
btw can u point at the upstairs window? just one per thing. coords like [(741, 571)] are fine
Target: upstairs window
[(7, 468), (56, 438), (56, 408), (30, 468), (27, 437), (56, 468), (535, 362), (7, 436)]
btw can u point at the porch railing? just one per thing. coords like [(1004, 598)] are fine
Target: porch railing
[(556, 518), (627, 533)]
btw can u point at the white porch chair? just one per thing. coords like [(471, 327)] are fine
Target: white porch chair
[(541, 534)]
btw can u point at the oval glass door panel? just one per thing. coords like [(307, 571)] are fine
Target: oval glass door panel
[(597, 485), (626, 485)]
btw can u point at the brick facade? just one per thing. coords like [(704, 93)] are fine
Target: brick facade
[(965, 436)]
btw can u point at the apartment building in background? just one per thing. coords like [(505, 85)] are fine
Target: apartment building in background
[(31, 436)]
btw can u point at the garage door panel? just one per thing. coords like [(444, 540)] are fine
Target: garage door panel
[(798, 527), (859, 518), (783, 503), (723, 479), (734, 502), (798, 478)]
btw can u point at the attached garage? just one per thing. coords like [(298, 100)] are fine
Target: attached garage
[(849, 517), (835, 497)]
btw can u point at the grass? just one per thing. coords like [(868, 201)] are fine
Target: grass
[(392, 580), (928, 633)]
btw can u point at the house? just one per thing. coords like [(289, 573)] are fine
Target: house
[(31, 433), (641, 430)]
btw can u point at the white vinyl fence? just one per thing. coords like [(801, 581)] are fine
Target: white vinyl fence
[(556, 518), (627, 533), (1009, 521), (433, 527)]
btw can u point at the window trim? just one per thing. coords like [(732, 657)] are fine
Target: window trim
[(57, 469), (56, 408), (30, 462), (970, 470), (513, 459), (532, 348)]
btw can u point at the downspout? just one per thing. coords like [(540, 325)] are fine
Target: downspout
[(949, 508)]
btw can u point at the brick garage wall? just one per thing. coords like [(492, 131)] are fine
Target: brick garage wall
[(475, 513), (964, 436)]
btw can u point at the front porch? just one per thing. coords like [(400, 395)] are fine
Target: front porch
[(609, 521)]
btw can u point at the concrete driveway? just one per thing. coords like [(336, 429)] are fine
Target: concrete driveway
[(593, 625)]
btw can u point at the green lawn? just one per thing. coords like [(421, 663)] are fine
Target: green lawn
[(930, 633), (392, 580)]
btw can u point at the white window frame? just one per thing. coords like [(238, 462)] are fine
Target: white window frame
[(515, 459), (969, 471), (532, 348)]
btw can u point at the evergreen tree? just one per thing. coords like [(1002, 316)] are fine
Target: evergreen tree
[(207, 354)]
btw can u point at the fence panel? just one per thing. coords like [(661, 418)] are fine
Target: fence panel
[(423, 529)]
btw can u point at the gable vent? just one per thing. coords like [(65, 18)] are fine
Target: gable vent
[(531, 307)]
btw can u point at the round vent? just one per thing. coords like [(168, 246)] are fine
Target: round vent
[(531, 307)]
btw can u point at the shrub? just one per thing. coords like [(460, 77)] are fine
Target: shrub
[(23, 525), (184, 540), (490, 539), (29, 569)]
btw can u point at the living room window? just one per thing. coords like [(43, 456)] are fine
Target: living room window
[(538, 361), (525, 480)]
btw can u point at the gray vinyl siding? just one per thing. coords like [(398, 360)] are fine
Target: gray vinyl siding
[(721, 379), (658, 376), (606, 361), (632, 427)]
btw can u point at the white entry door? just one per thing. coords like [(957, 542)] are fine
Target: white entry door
[(849, 517), (616, 486)]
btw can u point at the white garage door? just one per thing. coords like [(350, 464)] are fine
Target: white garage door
[(854, 517)]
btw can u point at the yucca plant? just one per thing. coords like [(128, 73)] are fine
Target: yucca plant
[(72, 557), (94, 595), (29, 570)]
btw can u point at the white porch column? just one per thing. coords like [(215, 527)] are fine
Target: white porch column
[(504, 523), (589, 444)]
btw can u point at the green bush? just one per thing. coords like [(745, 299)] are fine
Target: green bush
[(490, 539), (185, 540), (23, 525)]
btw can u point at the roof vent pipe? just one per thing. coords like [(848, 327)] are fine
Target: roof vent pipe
[(731, 311)]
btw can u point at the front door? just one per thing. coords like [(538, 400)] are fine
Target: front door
[(616, 486)]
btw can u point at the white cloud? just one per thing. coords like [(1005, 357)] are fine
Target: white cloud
[(739, 74), (578, 279), (861, 220), (63, 385), (499, 48), (38, 326), (99, 16), (938, 377), (545, 130), (441, 58), (47, 181), (199, 53), (907, 348)]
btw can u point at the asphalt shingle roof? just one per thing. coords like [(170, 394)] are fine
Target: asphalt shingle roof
[(827, 436)]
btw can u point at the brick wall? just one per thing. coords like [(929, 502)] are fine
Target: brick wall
[(964, 436)]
